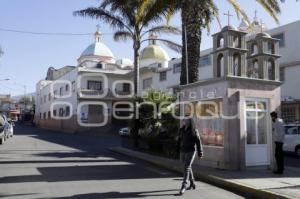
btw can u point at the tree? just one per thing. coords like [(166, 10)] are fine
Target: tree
[(132, 20), (197, 15)]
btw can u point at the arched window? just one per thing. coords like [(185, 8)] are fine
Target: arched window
[(236, 69), (271, 69), (254, 49), (253, 71), (220, 65), (271, 48), (236, 42), (220, 42)]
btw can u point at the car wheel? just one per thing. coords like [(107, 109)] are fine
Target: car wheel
[(298, 151)]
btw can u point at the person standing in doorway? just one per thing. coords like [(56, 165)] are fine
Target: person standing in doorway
[(278, 138), (189, 141)]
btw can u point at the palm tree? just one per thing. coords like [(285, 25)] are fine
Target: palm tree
[(197, 15), (133, 19)]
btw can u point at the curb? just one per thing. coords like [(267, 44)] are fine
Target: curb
[(174, 165)]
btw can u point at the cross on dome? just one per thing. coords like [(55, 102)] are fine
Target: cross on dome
[(98, 34)]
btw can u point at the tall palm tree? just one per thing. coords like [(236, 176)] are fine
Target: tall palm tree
[(133, 19), (197, 15)]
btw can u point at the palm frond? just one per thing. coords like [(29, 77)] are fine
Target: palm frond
[(114, 21), (271, 7), (170, 44), (122, 36), (238, 9), (163, 29)]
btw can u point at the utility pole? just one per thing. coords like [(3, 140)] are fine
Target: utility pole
[(186, 56)]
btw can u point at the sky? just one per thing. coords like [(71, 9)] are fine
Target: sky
[(27, 57)]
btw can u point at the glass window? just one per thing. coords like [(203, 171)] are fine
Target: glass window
[(288, 114), (67, 87), (163, 76), (262, 127), (177, 68), (147, 83), (251, 127), (94, 85), (205, 61), (61, 91), (292, 130), (49, 97), (281, 39), (73, 86), (67, 111), (126, 87)]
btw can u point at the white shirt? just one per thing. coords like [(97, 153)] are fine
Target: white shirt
[(278, 130)]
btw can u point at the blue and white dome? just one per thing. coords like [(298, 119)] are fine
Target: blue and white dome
[(97, 52), (97, 49)]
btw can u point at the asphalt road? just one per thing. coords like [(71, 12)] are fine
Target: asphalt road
[(40, 164)]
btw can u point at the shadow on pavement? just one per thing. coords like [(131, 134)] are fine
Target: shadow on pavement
[(120, 195)]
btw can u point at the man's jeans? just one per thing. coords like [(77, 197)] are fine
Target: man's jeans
[(187, 159), (279, 156)]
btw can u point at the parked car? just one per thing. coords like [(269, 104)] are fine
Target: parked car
[(10, 128), (3, 129), (292, 138), (124, 131)]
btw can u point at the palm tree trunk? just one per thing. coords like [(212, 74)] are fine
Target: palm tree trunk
[(192, 23)]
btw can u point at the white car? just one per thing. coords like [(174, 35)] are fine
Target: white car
[(292, 138), (124, 131)]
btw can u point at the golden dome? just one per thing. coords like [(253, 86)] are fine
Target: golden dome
[(154, 51)]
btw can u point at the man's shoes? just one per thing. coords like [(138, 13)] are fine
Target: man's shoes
[(278, 172), (192, 186), (182, 190)]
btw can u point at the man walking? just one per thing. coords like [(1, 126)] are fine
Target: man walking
[(278, 137)]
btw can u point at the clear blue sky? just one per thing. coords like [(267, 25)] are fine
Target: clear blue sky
[(27, 57)]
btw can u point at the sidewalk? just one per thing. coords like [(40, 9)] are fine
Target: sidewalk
[(257, 182)]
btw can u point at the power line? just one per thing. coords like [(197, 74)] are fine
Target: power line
[(49, 33)]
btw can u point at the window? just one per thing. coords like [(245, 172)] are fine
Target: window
[(54, 112), (282, 74), (271, 48), (49, 115), (126, 87), (220, 42), (45, 98), (94, 85), (163, 76), (292, 130), (237, 64), (289, 114), (99, 65), (40, 115), (67, 88), (220, 65), (61, 112), (44, 115), (67, 111), (205, 61), (281, 39), (147, 83), (73, 86), (177, 68), (49, 97), (271, 70), (254, 49), (55, 93), (236, 42), (61, 91)]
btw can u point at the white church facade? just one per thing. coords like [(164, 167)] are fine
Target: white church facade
[(100, 77)]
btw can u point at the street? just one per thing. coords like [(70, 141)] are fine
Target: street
[(41, 164)]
